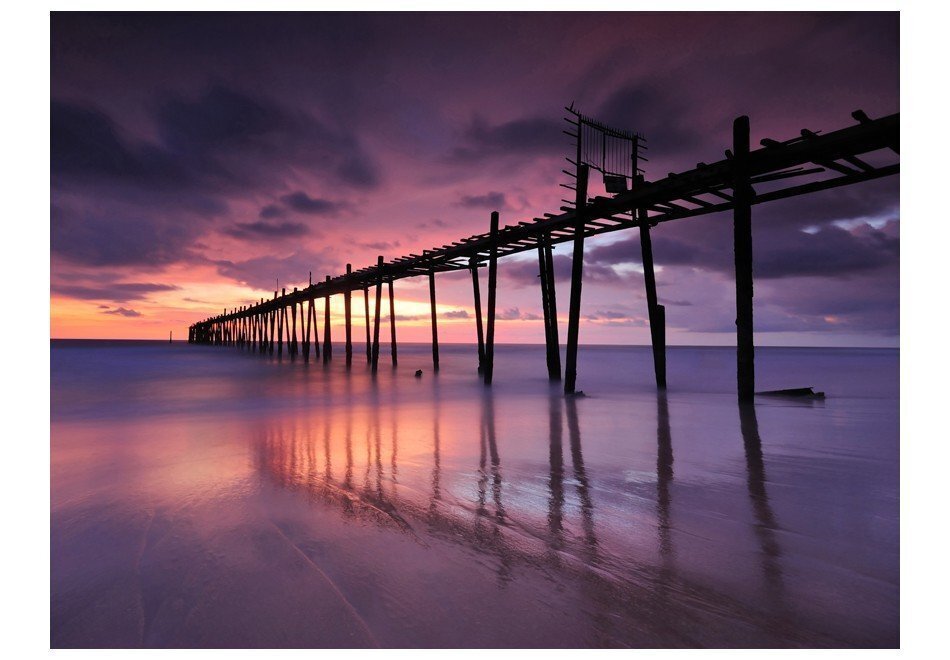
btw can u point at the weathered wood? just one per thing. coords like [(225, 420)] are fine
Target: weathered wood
[(327, 342), (555, 369), (293, 328), (473, 265), (656, 312), (280, 327), (306, 341), (369, 343), (379, 296), (392, 323), (489, 366), (742, 243), (347, 313), (435, 325), (577, 278), (312, 311)]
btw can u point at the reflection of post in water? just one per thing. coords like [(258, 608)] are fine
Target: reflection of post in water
[(394, 454), (556, 481), (488, 419), (488, 424), (379, 458), (580, 475), (436, 458), (664, 475), (765, 525)]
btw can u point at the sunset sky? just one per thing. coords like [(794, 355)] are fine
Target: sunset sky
[(198, 158)]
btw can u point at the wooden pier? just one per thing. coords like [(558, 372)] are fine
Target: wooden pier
[(806, 164)]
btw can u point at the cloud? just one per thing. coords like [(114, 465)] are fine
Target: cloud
[(525, 137), (272, 211), (121, 292), (122, 311), (262, 272), (491, 200), (301, 202), (257, 231), (456, 314)]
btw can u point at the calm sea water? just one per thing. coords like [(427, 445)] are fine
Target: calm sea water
[(206, 497)]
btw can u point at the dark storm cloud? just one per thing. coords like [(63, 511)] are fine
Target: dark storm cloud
[(301, 202), (526, 273), (524, 137), (120, 292), (122, 311), (265, 231), (490, 200)]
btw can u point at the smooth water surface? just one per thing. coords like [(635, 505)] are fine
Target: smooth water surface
[(209, 497)]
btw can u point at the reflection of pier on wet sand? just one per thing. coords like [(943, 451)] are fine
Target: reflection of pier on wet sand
[(654, 601)]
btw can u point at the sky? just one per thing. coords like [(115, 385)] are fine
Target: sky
[(199, 159)]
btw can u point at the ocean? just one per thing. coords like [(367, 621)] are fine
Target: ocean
[(210, 497)]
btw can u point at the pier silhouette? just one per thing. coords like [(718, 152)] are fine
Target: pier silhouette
[(803, 165)]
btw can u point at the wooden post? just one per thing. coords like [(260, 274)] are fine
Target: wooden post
[(369, 343), (293, 327), (379, 295), (656, 312), (280, 327), (742, 242), (348, 316), (392, 322), (577, 277), (327, 343), (489, 367), (555, 370), (273, 320), (306, 340), (473, 265), (435, 326), (312, 312)]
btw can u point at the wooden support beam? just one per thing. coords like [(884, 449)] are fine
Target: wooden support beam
[(435, 325), (552, 306), (327, 341), (473, 266), (280, 327), (577, 276), (656, 312), (316, 331), (742, 242), (489, 367), (306, 339), (369, 344), (545, 308), (348, 320), (379, 295), (293, 328), (392, 323)]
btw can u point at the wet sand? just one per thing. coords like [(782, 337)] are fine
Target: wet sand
[(202, 497)]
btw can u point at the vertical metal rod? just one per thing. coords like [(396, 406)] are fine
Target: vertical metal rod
[(742, 241), (327, 343), (577, 277), (489, 367), (473, 265), (435, 326), (656, 312), (392, 322), (552, 306), (379, 295), (348, 315)]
